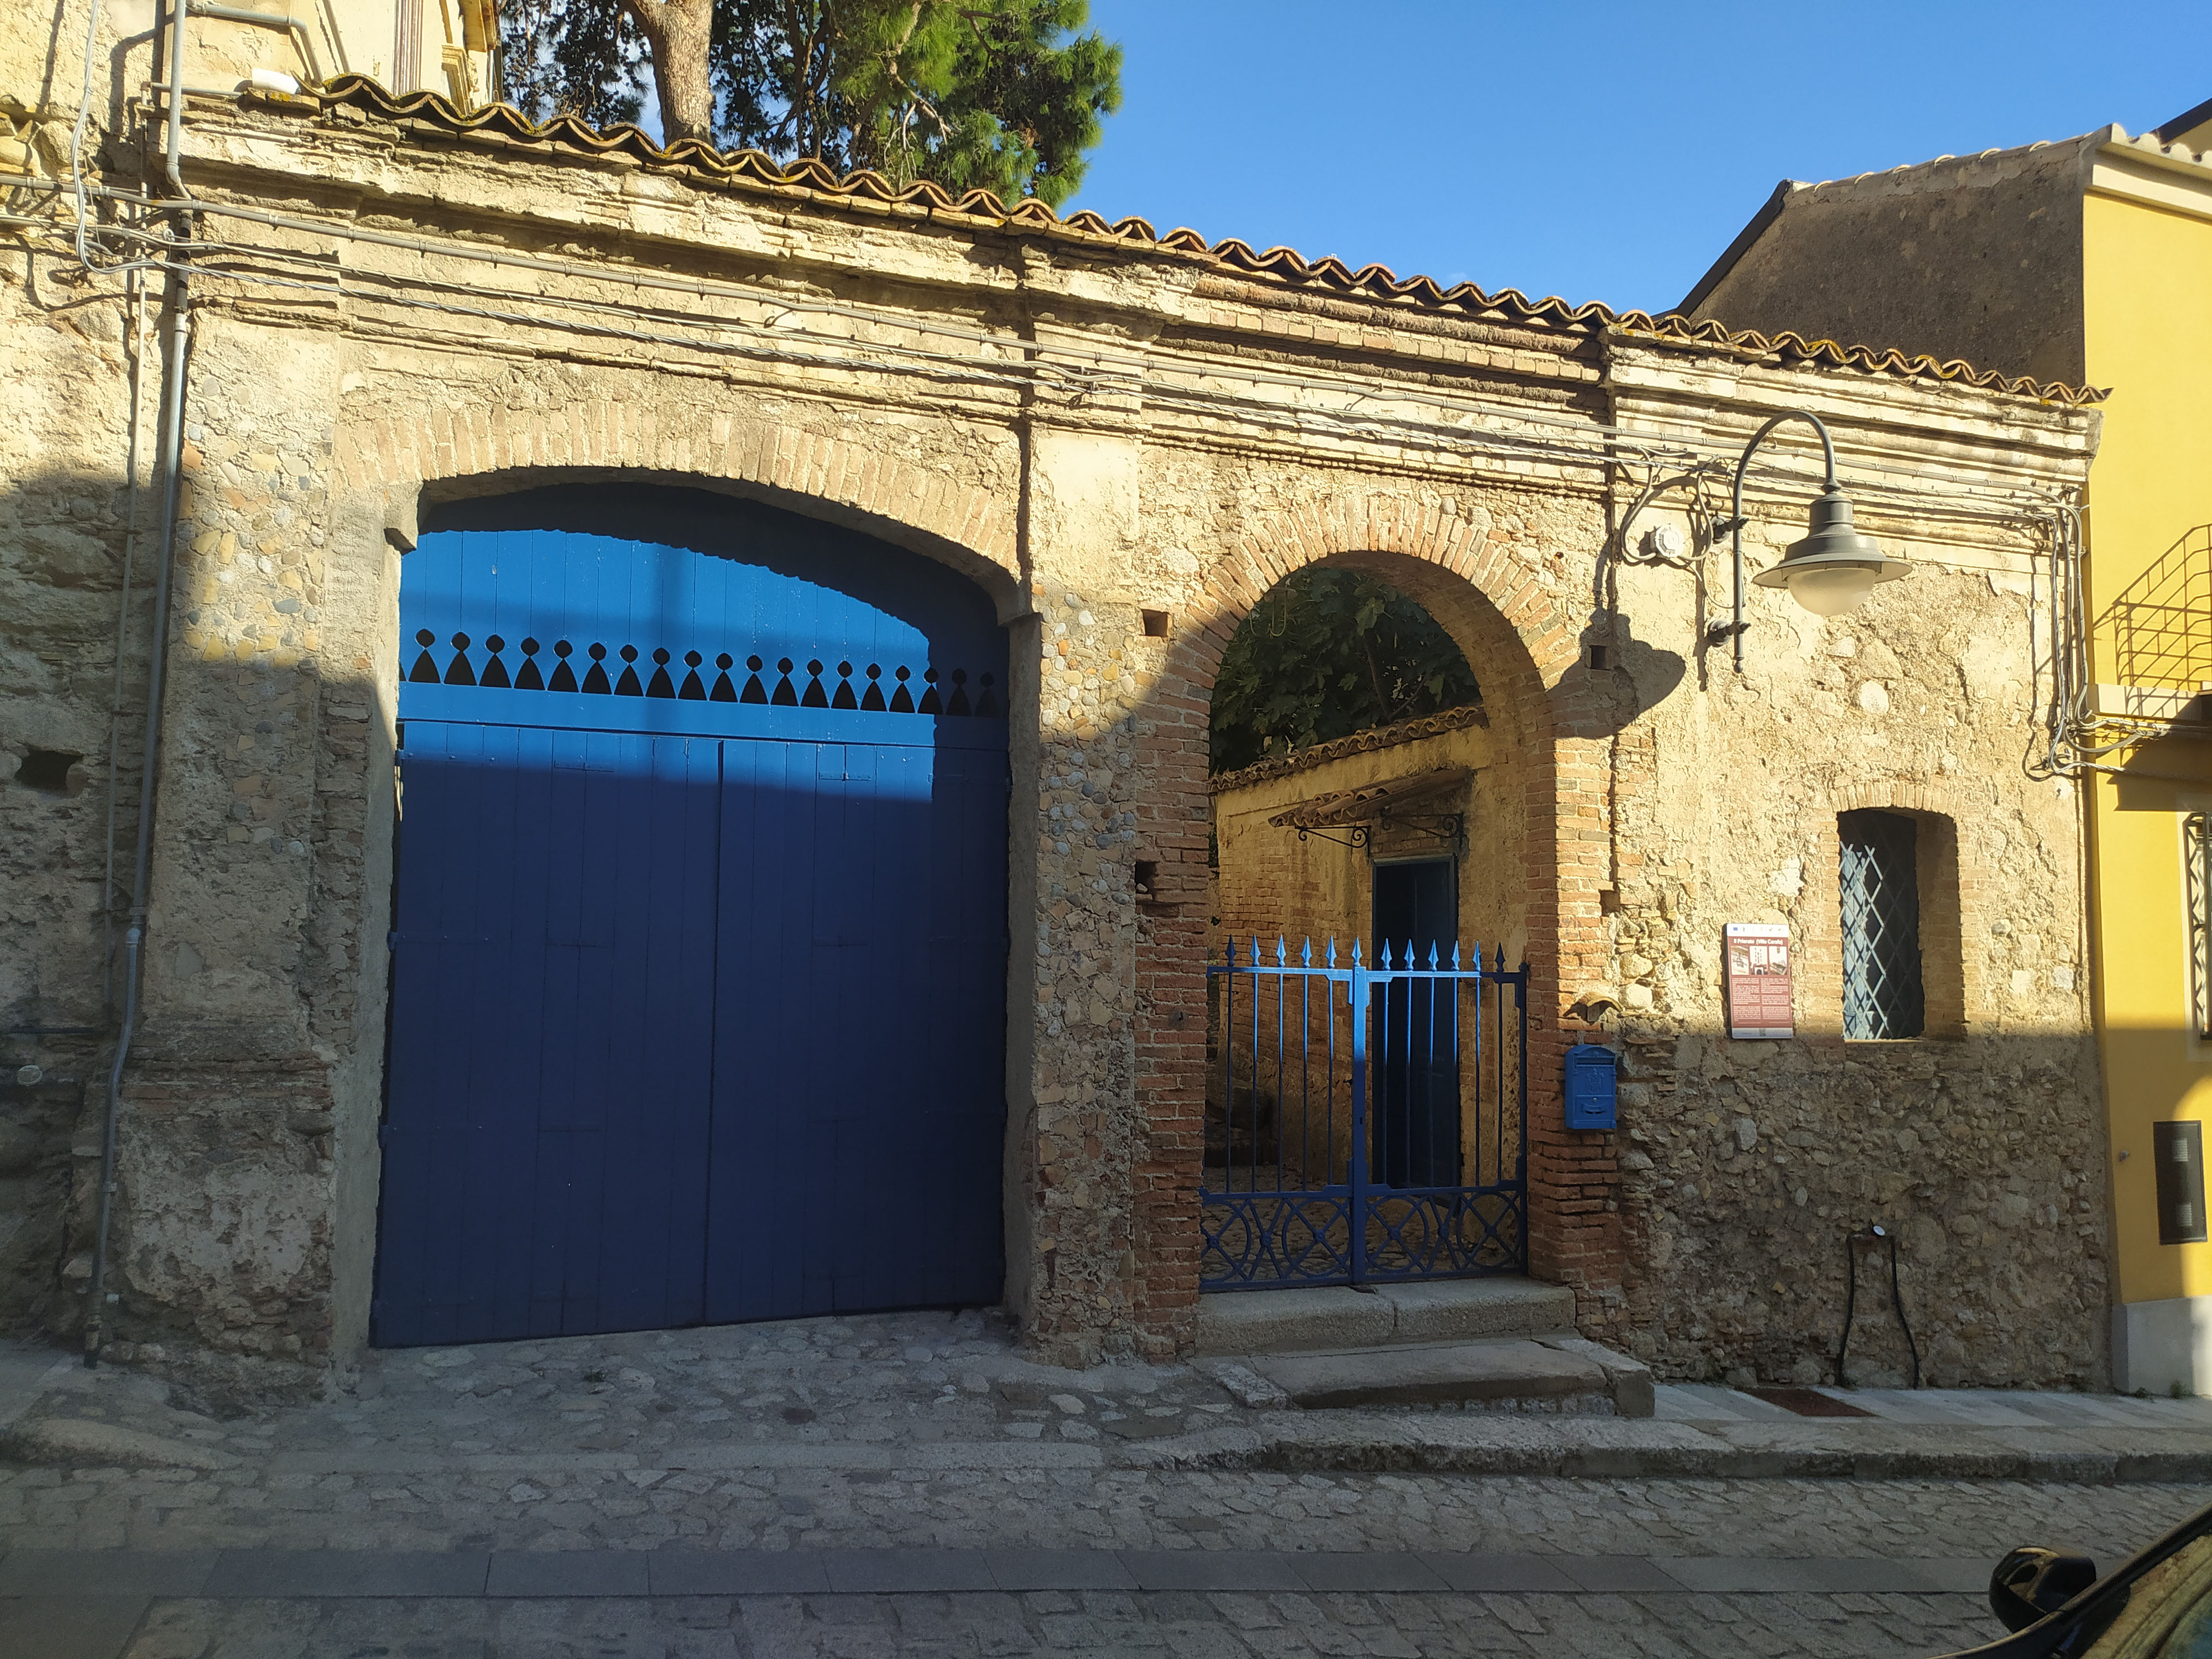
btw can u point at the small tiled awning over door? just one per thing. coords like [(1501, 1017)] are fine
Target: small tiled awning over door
[(1430, 791)]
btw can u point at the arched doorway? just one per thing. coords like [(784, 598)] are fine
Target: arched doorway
[(1365, 1108), (700, 934)]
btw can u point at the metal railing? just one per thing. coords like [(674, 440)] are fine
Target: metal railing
[(1364, 1123), (2155, 638)]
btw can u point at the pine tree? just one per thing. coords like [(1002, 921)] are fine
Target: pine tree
[(1005, 95)]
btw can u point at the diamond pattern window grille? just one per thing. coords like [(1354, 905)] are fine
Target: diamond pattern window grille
[(2197, 843), (1883, 993)]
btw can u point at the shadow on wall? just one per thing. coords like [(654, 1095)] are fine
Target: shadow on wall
[(2158, 633), (1616, 678), (61, 560)]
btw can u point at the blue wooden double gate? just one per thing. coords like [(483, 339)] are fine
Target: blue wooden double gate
[(699, 952)]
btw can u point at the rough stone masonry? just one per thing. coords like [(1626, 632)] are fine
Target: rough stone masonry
[(1125, 438)]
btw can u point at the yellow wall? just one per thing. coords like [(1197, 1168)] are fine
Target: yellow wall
[(450, 48), (2148, 337)]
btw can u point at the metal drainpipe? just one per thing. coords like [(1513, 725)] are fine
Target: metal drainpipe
[(170, 460)]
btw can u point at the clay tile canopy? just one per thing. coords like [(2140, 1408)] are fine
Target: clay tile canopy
[(429, 116), (1373, 801)]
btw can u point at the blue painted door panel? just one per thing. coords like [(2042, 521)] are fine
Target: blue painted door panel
[(545, 1141), (859, 1088), (699, 972)]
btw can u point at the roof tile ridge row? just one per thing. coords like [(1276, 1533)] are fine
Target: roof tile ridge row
[(1282, 264), (1874, 175), (1358, 742), (2150, 143)]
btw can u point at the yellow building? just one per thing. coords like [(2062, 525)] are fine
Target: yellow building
[(450, 47), (2088, 261)]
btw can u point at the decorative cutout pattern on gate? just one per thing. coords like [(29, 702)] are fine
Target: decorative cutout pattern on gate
[(1325, 1080), (488, 667), (745, 623)]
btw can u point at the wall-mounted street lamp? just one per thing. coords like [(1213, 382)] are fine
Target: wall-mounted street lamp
[(1828, 572)]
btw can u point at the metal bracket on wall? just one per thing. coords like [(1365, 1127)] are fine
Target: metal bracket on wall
[(1359, 836), (1448, 828)]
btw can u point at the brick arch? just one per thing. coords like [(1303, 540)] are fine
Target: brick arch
[(1450, 560), (1522, 644), (1914, 795), (844, 477)]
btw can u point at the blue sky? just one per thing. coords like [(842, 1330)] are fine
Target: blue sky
[(1595, 151)]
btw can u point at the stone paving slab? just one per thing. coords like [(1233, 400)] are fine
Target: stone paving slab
[(70, 1628), (1059, 1569), (243, 1574), (1501, 1575), (106, 1572), (292, 1574), (740, 1572), (569, 1572)]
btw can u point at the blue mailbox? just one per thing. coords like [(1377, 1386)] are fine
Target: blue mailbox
[(1593, 1073)]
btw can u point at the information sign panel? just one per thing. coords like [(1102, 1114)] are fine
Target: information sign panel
[(1759, 980)]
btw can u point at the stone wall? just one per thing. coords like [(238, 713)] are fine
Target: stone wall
[(1972, 256), (1125, 442)]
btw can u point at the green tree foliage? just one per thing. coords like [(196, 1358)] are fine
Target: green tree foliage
[(1326, 654), (1006, 95)]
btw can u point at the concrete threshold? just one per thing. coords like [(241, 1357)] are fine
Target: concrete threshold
[(1506, 1342), (1488, 1370), (1338, 1316)]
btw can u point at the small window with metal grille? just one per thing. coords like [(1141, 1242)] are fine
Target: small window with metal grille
[(2197, 856), (1883, 996)]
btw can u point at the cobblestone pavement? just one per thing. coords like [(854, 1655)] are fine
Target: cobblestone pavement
[(1094, 1625), (907, 1433), (104, 1508)]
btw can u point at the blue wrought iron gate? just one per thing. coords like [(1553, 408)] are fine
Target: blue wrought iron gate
[(1339, 1095), (698, 983)]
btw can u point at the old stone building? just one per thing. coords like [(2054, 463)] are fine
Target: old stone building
[(413, 344)]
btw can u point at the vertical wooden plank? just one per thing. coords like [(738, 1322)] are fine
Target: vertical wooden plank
[(456, 940), (966, 1117), (772, 1205), (478, 1112), (514, 1069), (653, 1134)]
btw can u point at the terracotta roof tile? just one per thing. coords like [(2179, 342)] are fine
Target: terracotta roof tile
[(1359, 743), (428, 113)]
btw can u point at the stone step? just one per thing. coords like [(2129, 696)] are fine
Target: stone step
[(1556, 1373), (1336, 1316)]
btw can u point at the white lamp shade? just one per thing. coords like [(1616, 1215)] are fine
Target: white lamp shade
[(1831, 590)]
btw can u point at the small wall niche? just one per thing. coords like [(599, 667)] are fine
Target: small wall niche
[(1156, 625), (47, 771)]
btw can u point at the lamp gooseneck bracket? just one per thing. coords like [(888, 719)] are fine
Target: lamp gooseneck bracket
[(1735, 519)]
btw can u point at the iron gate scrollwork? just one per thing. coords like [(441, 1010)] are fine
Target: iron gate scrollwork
[(1364, 1123)]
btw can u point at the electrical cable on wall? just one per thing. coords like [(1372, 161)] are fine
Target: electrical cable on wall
[(1875, 1233)]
